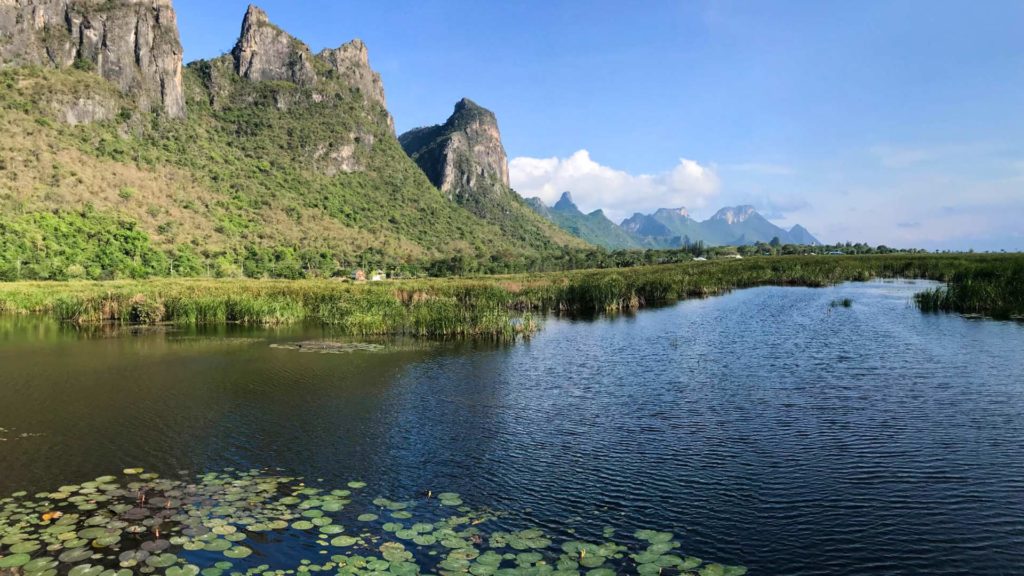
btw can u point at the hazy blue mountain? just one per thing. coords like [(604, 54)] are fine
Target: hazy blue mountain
[(670, 228), (595, 227), (799, 235)]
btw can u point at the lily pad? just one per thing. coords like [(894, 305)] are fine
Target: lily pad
[(15, 560), (187, 570), (161, 560), (344, 541), (238, 552)]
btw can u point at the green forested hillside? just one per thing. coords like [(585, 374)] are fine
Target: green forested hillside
[(262, 178)]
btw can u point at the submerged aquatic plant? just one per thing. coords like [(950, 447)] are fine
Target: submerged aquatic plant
[(248, 523)]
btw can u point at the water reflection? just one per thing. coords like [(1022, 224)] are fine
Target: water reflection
[(765, 427)]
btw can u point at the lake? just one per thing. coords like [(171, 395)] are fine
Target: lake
[(765, 428)]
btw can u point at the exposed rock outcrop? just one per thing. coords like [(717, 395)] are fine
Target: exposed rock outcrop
[(351, 63), (265, 52), (132, 43), (345, 158), (464, 157), (735, 214)]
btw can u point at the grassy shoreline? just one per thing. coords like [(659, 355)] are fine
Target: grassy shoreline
[(502, 306)]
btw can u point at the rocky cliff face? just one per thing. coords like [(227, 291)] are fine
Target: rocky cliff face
[(132, 43), (735, 214), (464, 157), (265, 52), (351, 64)]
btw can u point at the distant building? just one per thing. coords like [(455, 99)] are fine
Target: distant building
[(378, 276), (359, 275), (733, 256), (700, 259)]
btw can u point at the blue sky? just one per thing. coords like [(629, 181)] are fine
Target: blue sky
[(896, 122)]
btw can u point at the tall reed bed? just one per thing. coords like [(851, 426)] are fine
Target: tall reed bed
[(993, 290), (504, 307)]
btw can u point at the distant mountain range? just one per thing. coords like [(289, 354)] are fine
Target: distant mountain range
[(669, 228)]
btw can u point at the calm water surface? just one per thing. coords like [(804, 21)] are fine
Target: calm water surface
[(764, 427)]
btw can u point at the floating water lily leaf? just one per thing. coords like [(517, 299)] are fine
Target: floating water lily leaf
[(648, 569), (713, 570), (344, 541), (188, 570), (178, 522), (425, 539), (334, 506), (669, 560), (404, 569), (74, 555), (161, 560), (216, 545), (357, 485), (39, 565), (86, 570), (238, 552), (156, 545), (332, 529), (25, 547), (690, 562), (14, 560)]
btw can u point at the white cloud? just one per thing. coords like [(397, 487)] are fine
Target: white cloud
[(593, 185)]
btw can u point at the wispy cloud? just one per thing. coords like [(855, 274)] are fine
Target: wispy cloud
[(618, 192)]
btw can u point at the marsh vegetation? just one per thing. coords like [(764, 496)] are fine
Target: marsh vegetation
[(505, 306)]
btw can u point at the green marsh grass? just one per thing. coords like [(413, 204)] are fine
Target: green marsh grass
[(996, 291), (504, 307)]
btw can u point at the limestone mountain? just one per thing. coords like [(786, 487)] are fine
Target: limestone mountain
[(800, 235), (674, 228), (132, 43), (665, 228), (465, 159), (739, 225), (285, 164), (595, 227)]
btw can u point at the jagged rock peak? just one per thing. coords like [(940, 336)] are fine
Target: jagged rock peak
[(566, 202), (735, 214), (266, 52), (132, 43), (351, 62), (464, 157)]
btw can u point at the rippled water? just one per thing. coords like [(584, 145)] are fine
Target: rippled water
[(765, 427)]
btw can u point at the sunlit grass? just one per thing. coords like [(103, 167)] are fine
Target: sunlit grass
[(503, 306)]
